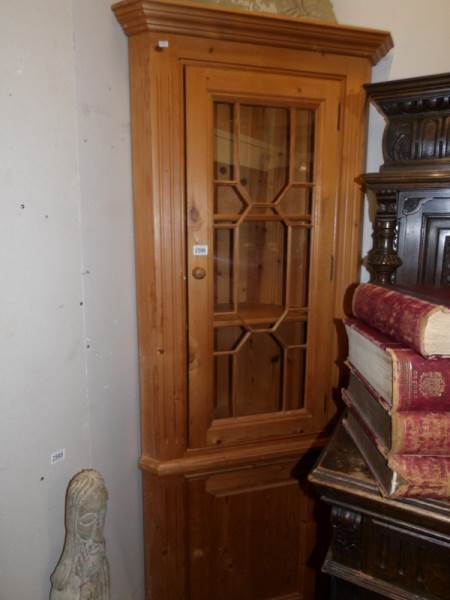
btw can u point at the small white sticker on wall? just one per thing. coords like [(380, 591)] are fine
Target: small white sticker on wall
[(57, 456), (200, 250)]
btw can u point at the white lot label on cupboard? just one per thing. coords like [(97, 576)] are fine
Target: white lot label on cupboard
[(200, 250)]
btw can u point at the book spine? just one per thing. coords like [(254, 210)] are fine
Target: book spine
[(370, 433), (413, 432), (421, 476), (397, 315), (419, 383), (374, 335), (421, 433), (382, 401)]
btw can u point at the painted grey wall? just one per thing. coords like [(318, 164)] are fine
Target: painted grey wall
[(420, 33), (68, 368), (102, 86), (43, 400)]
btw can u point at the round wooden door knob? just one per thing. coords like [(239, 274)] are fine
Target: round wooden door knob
[(199, 273)]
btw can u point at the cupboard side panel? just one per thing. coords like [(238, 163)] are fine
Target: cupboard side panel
[(347, 264), (158, 176), (165, 542)]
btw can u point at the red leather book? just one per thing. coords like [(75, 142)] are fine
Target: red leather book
[(404, 379), (405, 432), (400, 475), (421, 476), (421, 433), (417, 323)]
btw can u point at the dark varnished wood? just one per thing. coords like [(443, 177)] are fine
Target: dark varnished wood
[(412, 190), (398, 549), (417, 111), (424, 237)]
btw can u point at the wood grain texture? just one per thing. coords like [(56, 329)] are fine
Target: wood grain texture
[(215, 460), (158, 175), (257, 372), (188, 18), (235, 556), (168, 404), (214, 534), (165, 537), (204, 476)]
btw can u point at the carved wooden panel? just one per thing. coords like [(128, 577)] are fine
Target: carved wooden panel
[(382, 548), (424, 237), (346, 544), (445, 273), (411, 230), (410, 558), (417, 136), (417, 114)]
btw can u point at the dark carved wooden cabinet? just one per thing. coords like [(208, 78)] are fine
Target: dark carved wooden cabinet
[(384, 548), (412, 189), (247, 136), (380, 548)]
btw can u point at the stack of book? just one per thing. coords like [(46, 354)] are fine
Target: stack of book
[(398, 396)]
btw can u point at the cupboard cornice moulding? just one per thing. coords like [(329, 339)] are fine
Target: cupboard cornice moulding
[(215, 22)]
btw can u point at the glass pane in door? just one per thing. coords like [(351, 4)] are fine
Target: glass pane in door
[(264, 151), (263, 207), (303, 162), (262, 257), (258, 376), (223, 270), (299, 266), (223, 141)]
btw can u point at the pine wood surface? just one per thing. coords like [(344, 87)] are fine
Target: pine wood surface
[(263, 283), (276, 31), (218, 491), (157, 254)]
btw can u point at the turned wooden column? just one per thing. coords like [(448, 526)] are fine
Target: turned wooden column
[(382, 260), (416, 170)]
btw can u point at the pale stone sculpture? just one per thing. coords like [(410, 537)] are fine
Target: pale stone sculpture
[(82, 572), (318, 9)]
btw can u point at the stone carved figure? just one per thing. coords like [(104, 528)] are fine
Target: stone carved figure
[(317, 9), (82, 572)]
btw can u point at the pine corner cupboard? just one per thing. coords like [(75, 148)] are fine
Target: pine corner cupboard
[(248, 131)]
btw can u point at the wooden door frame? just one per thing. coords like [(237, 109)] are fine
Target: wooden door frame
[(203, 86)]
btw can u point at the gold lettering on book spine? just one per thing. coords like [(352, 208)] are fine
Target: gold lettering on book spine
[(431, 384)]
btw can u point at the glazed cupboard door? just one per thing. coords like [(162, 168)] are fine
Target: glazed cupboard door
[(262, 161)]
